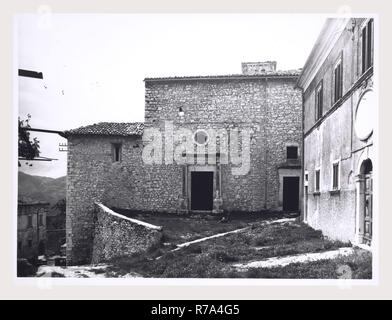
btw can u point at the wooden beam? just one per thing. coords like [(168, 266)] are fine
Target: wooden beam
[(30, 74), (41, 130), (37, 159)]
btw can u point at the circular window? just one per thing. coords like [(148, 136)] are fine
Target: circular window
[(201, 137), (365, 115)]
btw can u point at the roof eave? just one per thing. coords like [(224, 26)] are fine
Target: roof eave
[(206, 78), (330, 33), (69, 134)]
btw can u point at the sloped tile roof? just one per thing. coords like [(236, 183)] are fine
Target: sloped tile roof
[(109, 129), (280, 73)]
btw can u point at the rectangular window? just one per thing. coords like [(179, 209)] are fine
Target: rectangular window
[(116, 152), (335, 176), (338, 81), (19, 245), (41, 220), (367, 46), (319, 101), (29, 221), (317, 181), (306, 178), (292, 152), (30, 243)]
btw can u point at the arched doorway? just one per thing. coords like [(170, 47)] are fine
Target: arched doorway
[(365, 202)]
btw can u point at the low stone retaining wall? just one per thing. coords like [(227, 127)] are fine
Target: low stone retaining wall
[(116, 235)]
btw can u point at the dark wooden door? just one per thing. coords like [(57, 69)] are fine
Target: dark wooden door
[(202, 190), (368, 210), (290, 193)]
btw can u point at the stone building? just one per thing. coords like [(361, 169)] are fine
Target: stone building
[(208, 144), (31, 229), (339, 111)]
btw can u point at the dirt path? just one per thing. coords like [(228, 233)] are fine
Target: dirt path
[(298, 258), (86, 271)]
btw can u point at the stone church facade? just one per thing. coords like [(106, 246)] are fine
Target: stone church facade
[(107, 161)]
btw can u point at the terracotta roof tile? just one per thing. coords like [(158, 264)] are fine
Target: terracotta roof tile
[(279, 73), (109, 129)]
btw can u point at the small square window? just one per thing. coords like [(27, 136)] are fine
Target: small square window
[(292, 152), (116, 152)]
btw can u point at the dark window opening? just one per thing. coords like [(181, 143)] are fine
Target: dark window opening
[(30, 243), (116, 152), (335, 176), (338, 81), (29, 221), (367, 45), (319, 101), (317, 182), (41, 220), (19, 245), (292, 152)]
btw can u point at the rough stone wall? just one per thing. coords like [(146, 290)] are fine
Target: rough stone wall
[(284, 126), (270, 108), (128, 184), (258, 67), (116, 235)]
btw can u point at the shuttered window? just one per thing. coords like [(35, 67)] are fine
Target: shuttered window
[(319, 101), (317, 181), (335, 176), (338, 81), (367, 46)]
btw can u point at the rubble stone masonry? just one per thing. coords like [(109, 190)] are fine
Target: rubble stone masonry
[(270, 106), (117, 236)]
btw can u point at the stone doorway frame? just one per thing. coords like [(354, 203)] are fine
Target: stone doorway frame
[(359, 190), (288, 172), (185, 198)]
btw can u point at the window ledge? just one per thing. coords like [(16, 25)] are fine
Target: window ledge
[(334, 192), (316, 193)]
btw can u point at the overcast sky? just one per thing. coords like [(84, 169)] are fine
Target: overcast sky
[(93, 65)]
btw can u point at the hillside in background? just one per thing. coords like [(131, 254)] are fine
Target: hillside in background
[(39, 188)]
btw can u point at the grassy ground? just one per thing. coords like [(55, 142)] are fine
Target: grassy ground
[(213, 258), (178, 229)]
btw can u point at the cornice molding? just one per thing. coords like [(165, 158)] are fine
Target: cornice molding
[(330, 33)]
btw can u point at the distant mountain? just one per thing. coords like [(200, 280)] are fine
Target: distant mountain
[(39, 188)]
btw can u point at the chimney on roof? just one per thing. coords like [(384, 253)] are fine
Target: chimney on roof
[(255, 68)]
